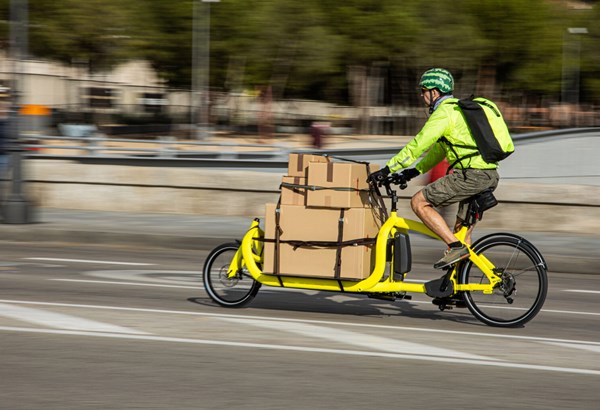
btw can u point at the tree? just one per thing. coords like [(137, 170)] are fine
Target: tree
[(98, 33), (305, 49)]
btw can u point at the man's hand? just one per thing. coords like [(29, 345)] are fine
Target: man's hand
[(410, 173), (379, 176)]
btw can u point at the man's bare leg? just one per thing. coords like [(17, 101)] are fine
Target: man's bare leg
[(431, 218)]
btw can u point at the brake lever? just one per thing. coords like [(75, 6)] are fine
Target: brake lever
[(399, 180)]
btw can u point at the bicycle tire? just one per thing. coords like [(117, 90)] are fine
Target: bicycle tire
[(522, 292), (228, 292)]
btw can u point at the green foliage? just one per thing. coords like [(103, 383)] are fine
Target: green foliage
[(97, 33), (306, 48)]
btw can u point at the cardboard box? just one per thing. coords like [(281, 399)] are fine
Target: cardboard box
[(298, 163), (350, 179), (291, 195), (299, 223)]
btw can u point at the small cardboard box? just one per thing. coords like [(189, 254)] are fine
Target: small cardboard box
[(299, 223), (293, 195), (345, 185), (298, 163)]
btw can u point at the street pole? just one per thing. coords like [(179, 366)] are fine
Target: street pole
[(571, 69), (16, 209), (200, 96)]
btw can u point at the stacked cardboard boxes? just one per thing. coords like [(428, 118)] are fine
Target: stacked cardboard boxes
[(325, 224)]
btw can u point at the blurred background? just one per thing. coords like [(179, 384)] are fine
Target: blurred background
[(275, 67), (185, 89)]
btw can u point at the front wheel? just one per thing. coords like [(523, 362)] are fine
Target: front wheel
[(522, 291), (227, 291)]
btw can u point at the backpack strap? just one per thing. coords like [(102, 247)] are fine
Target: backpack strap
[(459, 159)]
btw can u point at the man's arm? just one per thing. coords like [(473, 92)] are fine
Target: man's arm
[(433, 129), (435, 155)]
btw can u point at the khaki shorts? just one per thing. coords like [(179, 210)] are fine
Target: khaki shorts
[(459, 186)]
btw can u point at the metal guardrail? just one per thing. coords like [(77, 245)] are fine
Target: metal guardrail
[(166, 151)]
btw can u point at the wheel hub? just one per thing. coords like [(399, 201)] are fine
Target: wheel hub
[(508, 285), (225, 279)]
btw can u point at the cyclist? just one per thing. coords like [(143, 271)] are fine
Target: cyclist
[(446, 135)]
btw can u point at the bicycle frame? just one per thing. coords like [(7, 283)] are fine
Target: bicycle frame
[(374, 283)]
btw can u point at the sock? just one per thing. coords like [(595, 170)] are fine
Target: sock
[(456, 244)]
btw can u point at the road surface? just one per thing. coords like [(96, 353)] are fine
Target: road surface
[(101, 327)]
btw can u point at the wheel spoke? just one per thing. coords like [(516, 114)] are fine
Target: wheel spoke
[(227, 291), (522, 290)]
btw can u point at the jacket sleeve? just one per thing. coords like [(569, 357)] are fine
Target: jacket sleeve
[(433, 129), (435, 155)]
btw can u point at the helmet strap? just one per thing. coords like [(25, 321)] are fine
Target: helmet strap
[(432, 102)]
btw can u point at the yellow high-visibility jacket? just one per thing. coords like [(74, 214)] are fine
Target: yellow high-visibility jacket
[(446, 135)]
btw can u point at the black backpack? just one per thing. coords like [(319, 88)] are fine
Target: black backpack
[(478, 113)]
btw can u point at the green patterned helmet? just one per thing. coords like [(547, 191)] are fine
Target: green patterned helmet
[(437, 78)]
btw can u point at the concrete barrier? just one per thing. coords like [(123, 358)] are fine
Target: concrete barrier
[(208, 191)]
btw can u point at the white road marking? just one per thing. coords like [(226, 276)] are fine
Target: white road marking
[(596, 292), (313, 321), (362, 340), (569, 312), (59, 320), (174, 277), (384, 355), (91, 261), (582, 346), (106, 282), (334, 298)]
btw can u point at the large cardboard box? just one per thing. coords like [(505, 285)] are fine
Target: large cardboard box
[(293, 195), (345, 185), (299, 223), (298, 163)]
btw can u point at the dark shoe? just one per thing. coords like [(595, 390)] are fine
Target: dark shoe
[(452, 256)]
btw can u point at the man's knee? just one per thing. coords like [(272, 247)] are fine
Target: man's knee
[(418, 202)]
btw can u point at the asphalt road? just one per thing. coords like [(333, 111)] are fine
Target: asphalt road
[(102, 327)]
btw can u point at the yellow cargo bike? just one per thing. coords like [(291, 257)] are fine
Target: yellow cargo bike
[(503, 283)]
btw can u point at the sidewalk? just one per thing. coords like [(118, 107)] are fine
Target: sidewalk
[(563, 252), (127, 228)]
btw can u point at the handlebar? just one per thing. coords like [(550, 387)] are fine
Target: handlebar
[(396, 179)]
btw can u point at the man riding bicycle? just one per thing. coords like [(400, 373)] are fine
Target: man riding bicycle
[(446, 135)]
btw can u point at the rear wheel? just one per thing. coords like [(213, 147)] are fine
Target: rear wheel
[(234, 291), (521, 293)]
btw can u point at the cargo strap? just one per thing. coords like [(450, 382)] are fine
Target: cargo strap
[(277, 239), (338, 252), (319, 188), (376, 200), (338, 245), (323, 244), (346, 159)]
